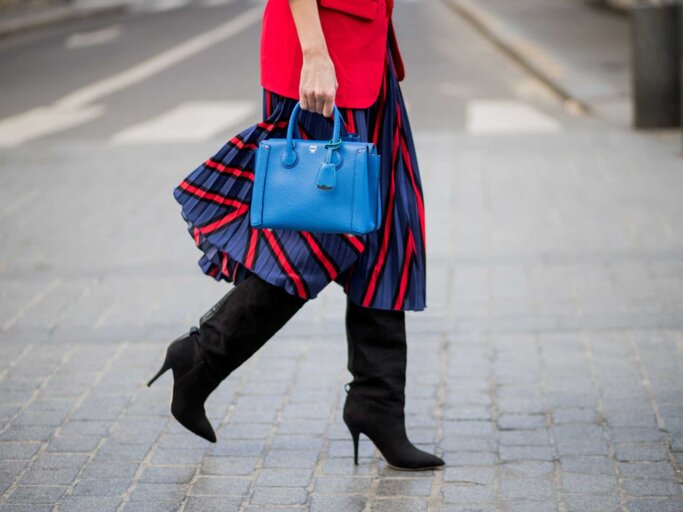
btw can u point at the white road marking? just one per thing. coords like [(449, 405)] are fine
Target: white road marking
[(39, 121), (193, 121), (92, 38), (488, 117), (74, 108)]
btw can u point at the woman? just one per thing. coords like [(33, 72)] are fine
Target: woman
[(322, 53)]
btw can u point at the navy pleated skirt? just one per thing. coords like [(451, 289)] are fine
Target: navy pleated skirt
[(384, 269)]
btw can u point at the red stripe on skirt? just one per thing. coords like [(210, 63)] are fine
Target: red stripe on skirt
[(240, 173), (418, 195), (251, 253), (331, 271), (407, 257), (369, 292), (355, 242), (296, 278), (238, 212), (203, 194)]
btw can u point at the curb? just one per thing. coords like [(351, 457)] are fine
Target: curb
[(58, 15), (520, 49)]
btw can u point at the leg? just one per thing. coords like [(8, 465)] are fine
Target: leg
[(229, 334), (375, 399)]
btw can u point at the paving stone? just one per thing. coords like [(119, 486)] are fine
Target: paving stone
[(661, 470), (144, 491), (89, 503), (73, 443), (595, 465), (274, 477), (527, 469), (531, 506), (221, 486), (587, 503), (521, 421), (638, 452), (462, 493), (342, 485), (655, 505), (152, 506), (648, 487), (168, 474), (106, 487), (49, 476), (36, 493), (212, 503), (284, 459), (279, 496), (403, 504), (520, 488), (18, 450), (322, 503), (470, 474), (113, 469), (526, 453), (589, 484), (404, 487)]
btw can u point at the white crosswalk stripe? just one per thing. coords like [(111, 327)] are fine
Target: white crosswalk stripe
[(188, 122), (490, 117)]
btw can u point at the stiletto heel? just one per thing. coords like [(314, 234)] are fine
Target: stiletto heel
[(355, 434), (164, 367)]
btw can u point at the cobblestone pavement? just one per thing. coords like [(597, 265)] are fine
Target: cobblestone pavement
[(546, 369)]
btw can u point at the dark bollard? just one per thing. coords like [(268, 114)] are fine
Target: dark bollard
[(656, 65)]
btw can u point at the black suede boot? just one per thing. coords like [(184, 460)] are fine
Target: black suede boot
[(228, 334), (375, 399)]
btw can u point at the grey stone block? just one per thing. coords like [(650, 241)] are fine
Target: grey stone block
[(589, 484), (404, 487), (594, 465), (588, 503), (168, 474), (527, 469), (661, 470), (89, 503), (280, 477), (656, 488), (36, 494), (159, 492), (212, 503), (463, 493), (655, 505), (106, 487), (342, 485), (323, 503), (520, 488), (221, 486), (279, 496), (470, 475), (403, 504)]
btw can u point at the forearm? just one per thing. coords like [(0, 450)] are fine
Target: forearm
[(308, 27)]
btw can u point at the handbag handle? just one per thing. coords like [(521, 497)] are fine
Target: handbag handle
[(326, 179)]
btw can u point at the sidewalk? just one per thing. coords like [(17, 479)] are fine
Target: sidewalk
[(32, 15), (580, 50)]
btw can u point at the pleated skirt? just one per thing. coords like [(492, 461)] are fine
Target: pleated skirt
[(385, 269)]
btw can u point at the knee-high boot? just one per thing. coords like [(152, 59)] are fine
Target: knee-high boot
[(375, 399), (228, 334)]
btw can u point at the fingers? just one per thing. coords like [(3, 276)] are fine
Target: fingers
[(319, 102), (328, 104)]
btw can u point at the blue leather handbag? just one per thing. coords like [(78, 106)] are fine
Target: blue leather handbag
[(314, 185)]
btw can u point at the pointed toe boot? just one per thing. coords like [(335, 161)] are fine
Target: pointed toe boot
[(375, 398)]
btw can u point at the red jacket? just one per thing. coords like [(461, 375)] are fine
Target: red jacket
[(356, 33)]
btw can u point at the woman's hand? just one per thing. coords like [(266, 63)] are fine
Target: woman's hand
[(318, 84)]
